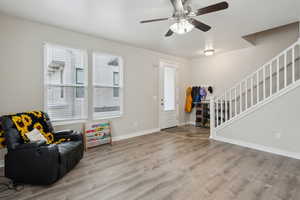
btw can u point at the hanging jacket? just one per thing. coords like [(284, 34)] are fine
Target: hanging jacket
[(203, 93), (194, 90), (198, 96), (210, 89), (189, 100), (193, 96)]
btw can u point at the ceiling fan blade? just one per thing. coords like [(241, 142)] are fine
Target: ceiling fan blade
[(178, 6), (199, 25), (213, 8), (154, 20), (169, 33)]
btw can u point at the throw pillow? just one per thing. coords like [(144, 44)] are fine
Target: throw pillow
[(35, 135)]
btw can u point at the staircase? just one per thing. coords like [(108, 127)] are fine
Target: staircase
[(274, 79)]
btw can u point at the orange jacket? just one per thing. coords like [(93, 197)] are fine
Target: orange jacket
[(189, 100)]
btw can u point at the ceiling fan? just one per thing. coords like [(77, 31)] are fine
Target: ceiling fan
[(184, 16)]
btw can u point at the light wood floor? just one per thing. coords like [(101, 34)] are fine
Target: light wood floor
[(179, 164)]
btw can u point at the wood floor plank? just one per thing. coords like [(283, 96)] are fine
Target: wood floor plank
[(175, 164)]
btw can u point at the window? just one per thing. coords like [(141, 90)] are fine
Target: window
[(80, 81), (79, 76), (107, 83), (116, 92), (116, 84), (116, 78), (65, 83)]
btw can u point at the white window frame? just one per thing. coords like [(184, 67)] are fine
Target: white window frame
[(79, 83), (114, 84), (114, 80), (116, 97), (46, 84), (111, 114)]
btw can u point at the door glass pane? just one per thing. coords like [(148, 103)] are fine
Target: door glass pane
[(169, 88)]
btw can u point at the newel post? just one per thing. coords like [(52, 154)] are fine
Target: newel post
[(212, 117)]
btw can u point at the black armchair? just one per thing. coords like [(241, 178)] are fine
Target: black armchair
[(39, 163)]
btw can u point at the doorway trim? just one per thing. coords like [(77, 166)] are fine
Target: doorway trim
[(175, 65)]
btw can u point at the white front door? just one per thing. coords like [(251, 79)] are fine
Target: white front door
[(168, 105)]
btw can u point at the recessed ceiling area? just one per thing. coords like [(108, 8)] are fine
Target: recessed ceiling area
[(118, 20)]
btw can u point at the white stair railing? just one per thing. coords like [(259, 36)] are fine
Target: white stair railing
[(267, 82)]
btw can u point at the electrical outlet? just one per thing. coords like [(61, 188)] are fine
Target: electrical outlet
[(277, 135)]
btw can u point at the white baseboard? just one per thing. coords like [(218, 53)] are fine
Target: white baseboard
[(145, 132), (136, 134), (258, 147), (187, 123), (192, 123), (183, 124)]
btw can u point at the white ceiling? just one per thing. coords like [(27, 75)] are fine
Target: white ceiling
[(119, 20)]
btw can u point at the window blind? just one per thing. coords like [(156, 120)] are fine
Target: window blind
[(107, 86), (65, 83)]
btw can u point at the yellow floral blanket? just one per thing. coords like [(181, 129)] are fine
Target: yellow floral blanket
[(26, 122)]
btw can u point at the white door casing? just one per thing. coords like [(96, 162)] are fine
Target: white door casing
[(168, 95)]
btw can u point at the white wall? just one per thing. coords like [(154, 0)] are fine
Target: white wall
[(21, 72), (21, 80), (274, 126)]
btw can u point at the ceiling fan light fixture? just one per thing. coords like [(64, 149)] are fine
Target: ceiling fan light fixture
[(181, 27), (209, 52)]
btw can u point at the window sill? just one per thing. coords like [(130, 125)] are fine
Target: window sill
[(58, 105), (69, 122), (95, 118)]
